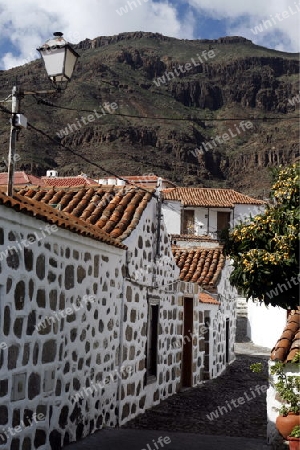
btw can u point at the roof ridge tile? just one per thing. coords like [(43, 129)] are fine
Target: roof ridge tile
[(45, 212)]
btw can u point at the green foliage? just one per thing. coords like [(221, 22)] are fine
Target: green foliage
[(256, 367), (288, 387), (296, 358), (265, 252), (295, 432)]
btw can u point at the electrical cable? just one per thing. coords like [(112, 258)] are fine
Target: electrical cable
[(184, 119), (109, 172), (4, 109)]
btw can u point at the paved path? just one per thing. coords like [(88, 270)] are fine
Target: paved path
[(122, 439), (208, 417), (213, 407)]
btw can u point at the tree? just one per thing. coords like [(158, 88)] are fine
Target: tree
[(265, 251)]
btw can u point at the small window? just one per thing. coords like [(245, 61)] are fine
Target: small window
[(152, 342), (188, 225), (18, 386)]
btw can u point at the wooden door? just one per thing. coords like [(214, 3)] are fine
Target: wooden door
[(223, 219), (227, 340), (187, 351)]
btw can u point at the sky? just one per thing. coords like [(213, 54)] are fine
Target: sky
[(26, 24)]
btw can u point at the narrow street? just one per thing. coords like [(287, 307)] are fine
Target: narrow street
[(191, 410), (187, 420)]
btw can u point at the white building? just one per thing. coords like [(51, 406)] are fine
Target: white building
[(195, 217), (206, 212), (265, 323), (97, 321), (210, 270)]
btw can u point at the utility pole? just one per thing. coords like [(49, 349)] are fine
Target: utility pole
[(59, 60), (15, 106)]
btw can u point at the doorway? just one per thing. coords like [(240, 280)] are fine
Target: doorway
[(227, 341), (187, 350), (152, 342), (206, 372)]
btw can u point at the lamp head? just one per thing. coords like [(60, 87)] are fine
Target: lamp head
[(59, 59)]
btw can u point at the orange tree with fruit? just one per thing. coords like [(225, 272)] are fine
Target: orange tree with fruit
[(265, 251)]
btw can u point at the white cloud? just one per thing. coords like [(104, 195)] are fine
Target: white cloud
[(27, 23), (241, 17)]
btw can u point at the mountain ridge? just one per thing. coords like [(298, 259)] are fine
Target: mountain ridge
[(243, 81)]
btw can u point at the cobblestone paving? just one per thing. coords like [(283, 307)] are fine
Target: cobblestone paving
[(188, 410)]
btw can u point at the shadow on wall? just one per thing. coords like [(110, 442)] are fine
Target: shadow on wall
[(242, 324)]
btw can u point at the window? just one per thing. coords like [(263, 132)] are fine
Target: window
[(152, 341), (188, 223), (18, 386), (223, 219)]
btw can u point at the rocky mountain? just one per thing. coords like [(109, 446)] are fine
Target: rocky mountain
[(212, 113)]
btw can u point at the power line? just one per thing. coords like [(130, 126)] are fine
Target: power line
[(176, 119), (183, 119), (109, 172), (4, 109)]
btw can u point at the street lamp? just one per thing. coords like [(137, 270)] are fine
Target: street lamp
[(59, 59)]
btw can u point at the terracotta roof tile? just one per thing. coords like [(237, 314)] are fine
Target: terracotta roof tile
[(41, 211), (20, 179), (116, 210), (289, 342), (218, 198), (23, 179), (206, 298), (68, 181), (200, 265)]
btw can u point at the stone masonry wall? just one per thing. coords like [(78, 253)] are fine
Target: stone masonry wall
[(206, 342), (150, 277), (86, 370), (227, 297), (55, 273)]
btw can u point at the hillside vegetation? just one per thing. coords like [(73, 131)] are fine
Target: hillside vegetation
[(242, 81)]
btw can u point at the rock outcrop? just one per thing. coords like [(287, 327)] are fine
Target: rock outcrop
[(241, 82)]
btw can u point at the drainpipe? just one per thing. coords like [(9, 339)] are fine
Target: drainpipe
[(119, 388), (207, 220), (159, 216)]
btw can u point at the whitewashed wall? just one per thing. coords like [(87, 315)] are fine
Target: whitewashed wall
[(43, 369), (227, 296), (240, 212), (172, 216), (172, 211), (265, 323), (209, 226), (150, 277), (62, 365), (243, 212)]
